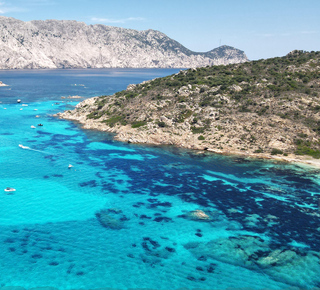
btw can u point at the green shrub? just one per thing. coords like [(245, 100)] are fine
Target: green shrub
[(302, 135), (201, 137), (275, 151), (130, 95), (184, 115), (197, 130), (137, 124), (305, 150), (258, 151), (95, 115), (244, 109), (114, 120)]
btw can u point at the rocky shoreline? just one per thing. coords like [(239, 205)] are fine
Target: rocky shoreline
[(169, 136), (263, 109)]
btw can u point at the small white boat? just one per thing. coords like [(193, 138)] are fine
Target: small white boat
[(18, 101), (9, 189), (70, 166), (23, 147), (33, 127)]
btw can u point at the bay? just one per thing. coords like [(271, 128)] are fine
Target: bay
[(131, 216)]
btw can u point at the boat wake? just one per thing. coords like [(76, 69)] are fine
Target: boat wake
[(28, 148)]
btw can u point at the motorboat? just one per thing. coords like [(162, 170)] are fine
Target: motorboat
[(23, 147), (33, 127), (18, 101), (9, 189), (70, 166), (40, 124)]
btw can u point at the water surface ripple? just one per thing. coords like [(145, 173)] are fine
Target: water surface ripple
[(130, 216)]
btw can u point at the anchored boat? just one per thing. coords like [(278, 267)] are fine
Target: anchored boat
[(9, 189)]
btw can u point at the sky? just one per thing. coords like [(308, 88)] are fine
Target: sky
[(261, 28)]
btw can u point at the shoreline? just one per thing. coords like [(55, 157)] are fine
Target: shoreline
[(135, 136)]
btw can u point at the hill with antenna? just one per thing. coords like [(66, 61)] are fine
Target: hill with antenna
[(71, 44)]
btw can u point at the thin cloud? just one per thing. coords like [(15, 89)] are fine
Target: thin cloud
[(267, 34), (2, 8), (23, 5), (309, 32), (7, 8), (40, 2), (286, 34), (112, 20)]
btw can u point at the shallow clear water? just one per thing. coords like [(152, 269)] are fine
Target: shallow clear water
[(131, 216)]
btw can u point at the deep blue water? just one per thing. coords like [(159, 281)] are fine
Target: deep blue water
[(127, 216)]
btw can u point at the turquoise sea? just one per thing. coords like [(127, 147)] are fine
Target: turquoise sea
[(131, 216)]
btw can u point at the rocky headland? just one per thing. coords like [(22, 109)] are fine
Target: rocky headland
[(267, 109), (70, 44)]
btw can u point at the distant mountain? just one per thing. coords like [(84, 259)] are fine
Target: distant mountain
[(72, 44)]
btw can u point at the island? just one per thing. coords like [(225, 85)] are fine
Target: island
[(268, 108)]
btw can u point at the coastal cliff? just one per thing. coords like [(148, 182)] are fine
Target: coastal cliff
[(71, 44), (266, 108)]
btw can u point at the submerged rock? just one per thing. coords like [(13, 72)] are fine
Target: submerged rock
[(200, 215), (111, 218), (292, 265)]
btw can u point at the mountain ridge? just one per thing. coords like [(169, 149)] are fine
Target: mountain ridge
[(73, 44)]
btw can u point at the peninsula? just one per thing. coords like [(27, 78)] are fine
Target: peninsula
[(267, 109)]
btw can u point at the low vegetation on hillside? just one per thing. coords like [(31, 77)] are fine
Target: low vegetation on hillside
[(266, 106)]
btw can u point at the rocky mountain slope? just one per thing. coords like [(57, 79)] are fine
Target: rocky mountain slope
[(267, 107), (71, 44)]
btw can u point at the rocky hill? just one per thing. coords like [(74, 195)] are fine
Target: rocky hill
[(71, 44), (265, 108)]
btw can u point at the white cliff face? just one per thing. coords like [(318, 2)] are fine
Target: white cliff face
[(72, 44)]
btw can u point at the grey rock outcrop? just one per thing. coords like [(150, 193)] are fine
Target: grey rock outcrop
[(254, 253), (72, 44)]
